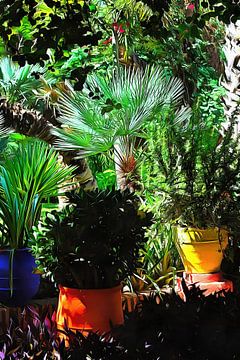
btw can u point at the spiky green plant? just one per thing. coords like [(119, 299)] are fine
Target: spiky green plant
[(30, 175)]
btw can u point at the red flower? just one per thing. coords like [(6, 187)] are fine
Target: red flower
[(121, 30), (115, 26), (118, 28), (190, 10)]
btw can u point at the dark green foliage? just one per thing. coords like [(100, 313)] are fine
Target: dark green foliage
[(37, 338), (166, 328), (208, 103), (226, 10), (181, 45), (30, 28), (154, 26), (94, 242)]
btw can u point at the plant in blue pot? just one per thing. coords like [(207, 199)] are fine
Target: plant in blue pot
[(30, 174)]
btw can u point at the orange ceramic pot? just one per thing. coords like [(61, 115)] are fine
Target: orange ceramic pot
[(89, 310)]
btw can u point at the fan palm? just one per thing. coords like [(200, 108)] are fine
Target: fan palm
[(17, 83), (18, 99), (109, 114)]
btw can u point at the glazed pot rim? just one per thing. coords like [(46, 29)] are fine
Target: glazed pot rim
[(100, 291), (213, 228), (17, 249), (201, 243)]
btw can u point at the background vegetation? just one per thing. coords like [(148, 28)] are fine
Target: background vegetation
[(59, 56)]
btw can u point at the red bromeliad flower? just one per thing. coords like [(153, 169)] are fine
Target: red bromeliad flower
[(118, 27), (191, 7), (190, 10)]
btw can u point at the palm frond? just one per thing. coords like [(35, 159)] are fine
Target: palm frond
[(136, 97), (4, 131), (182, 116), (17, 83)]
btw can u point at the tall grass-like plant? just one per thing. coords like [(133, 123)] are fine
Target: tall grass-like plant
[(29, 176)]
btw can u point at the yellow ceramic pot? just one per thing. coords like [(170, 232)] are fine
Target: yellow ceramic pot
[(201, 250)]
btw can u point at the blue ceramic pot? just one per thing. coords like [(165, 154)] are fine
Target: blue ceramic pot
[(25, 283)]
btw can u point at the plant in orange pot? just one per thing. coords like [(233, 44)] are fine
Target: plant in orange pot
[(90, 247)]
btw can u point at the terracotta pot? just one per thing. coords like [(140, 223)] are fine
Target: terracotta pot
[(201, 250), (89, 310)]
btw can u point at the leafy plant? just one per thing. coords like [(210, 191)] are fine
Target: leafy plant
[(94, 242), (164, 327), (106, 179), (180, 39), (158, 259), (27, 177), (103, 170), (36, 337), (208, 102)]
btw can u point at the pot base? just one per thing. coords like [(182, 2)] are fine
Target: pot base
[(25, 283), (89, 310), (208, 283)]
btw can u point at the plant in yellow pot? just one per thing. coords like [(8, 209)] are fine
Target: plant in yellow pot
[(196, 175)]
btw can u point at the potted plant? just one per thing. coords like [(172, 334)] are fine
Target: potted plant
[(195, 171), (90, 247), (30, 174)]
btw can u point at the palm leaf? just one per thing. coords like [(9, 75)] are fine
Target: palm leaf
[(137, 96), (17, 83), (4, 131)]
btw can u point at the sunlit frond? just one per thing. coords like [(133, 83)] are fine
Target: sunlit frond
[(17, 83), (4, 131), (134, 97)]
